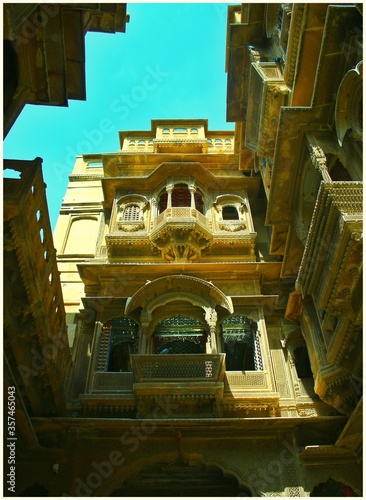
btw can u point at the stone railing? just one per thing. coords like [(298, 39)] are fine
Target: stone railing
[(337, 217), (178, 367), (181, 214), (110, 382)]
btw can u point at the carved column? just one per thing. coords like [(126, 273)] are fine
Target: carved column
[(144, 326), (192, 190), (169, 189), (154, 207), (211, 319)]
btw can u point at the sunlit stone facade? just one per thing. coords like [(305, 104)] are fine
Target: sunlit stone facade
[(211, 285)]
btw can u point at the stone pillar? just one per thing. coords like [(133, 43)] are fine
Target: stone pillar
[(192, 190), (154, 207), (169, 189), (144, 325), (211, 319)]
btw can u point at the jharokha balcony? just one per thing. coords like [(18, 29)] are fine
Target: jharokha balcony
[(181, 233)]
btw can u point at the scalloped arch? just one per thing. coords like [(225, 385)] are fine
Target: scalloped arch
[(173, 458)]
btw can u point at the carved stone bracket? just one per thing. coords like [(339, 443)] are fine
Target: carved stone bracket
[(318, 158)]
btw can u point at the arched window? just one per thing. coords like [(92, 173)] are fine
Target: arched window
[(194, 131), (179, 335), (181, 197), (166, 131), (132, 213), (241, 344), (230, 213)]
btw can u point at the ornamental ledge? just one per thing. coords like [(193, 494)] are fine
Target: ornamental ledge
[(85, 177)]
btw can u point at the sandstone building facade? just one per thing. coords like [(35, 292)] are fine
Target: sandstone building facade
[(207, 341)]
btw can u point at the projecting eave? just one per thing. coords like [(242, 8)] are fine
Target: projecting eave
[(116, 163), (232, 180), (134, 274)]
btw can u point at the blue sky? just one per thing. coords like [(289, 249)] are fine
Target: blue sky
[(170, 63)]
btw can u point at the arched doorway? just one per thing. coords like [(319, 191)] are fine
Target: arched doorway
[(181, 480)]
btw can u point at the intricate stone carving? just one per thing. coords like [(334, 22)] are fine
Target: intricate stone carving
[(130, 226), (232, 226), (318, 157)]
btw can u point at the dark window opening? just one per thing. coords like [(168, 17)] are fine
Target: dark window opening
[(198, 202), (302, 362), (179, 335), (181, 197), (241, 344), (230, 213), (163, 202), (118, 341), (338, 172)]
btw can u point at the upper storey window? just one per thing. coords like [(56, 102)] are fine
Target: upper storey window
[(230, 213), (181, 197), (241, 344), (132, 213), (179, 335)]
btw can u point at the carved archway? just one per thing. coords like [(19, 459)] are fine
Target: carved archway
[(145, 306), (180, 478), (168, 288)]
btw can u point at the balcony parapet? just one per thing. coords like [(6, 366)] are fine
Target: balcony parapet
[(176, 368), (267, 93), (111, 382), (181, 233)]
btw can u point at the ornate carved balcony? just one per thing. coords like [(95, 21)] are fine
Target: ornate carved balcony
[(181, 233), (331, 273), (195, 382), (176, 144), (267, 93), (203, 370), (332, 263)]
